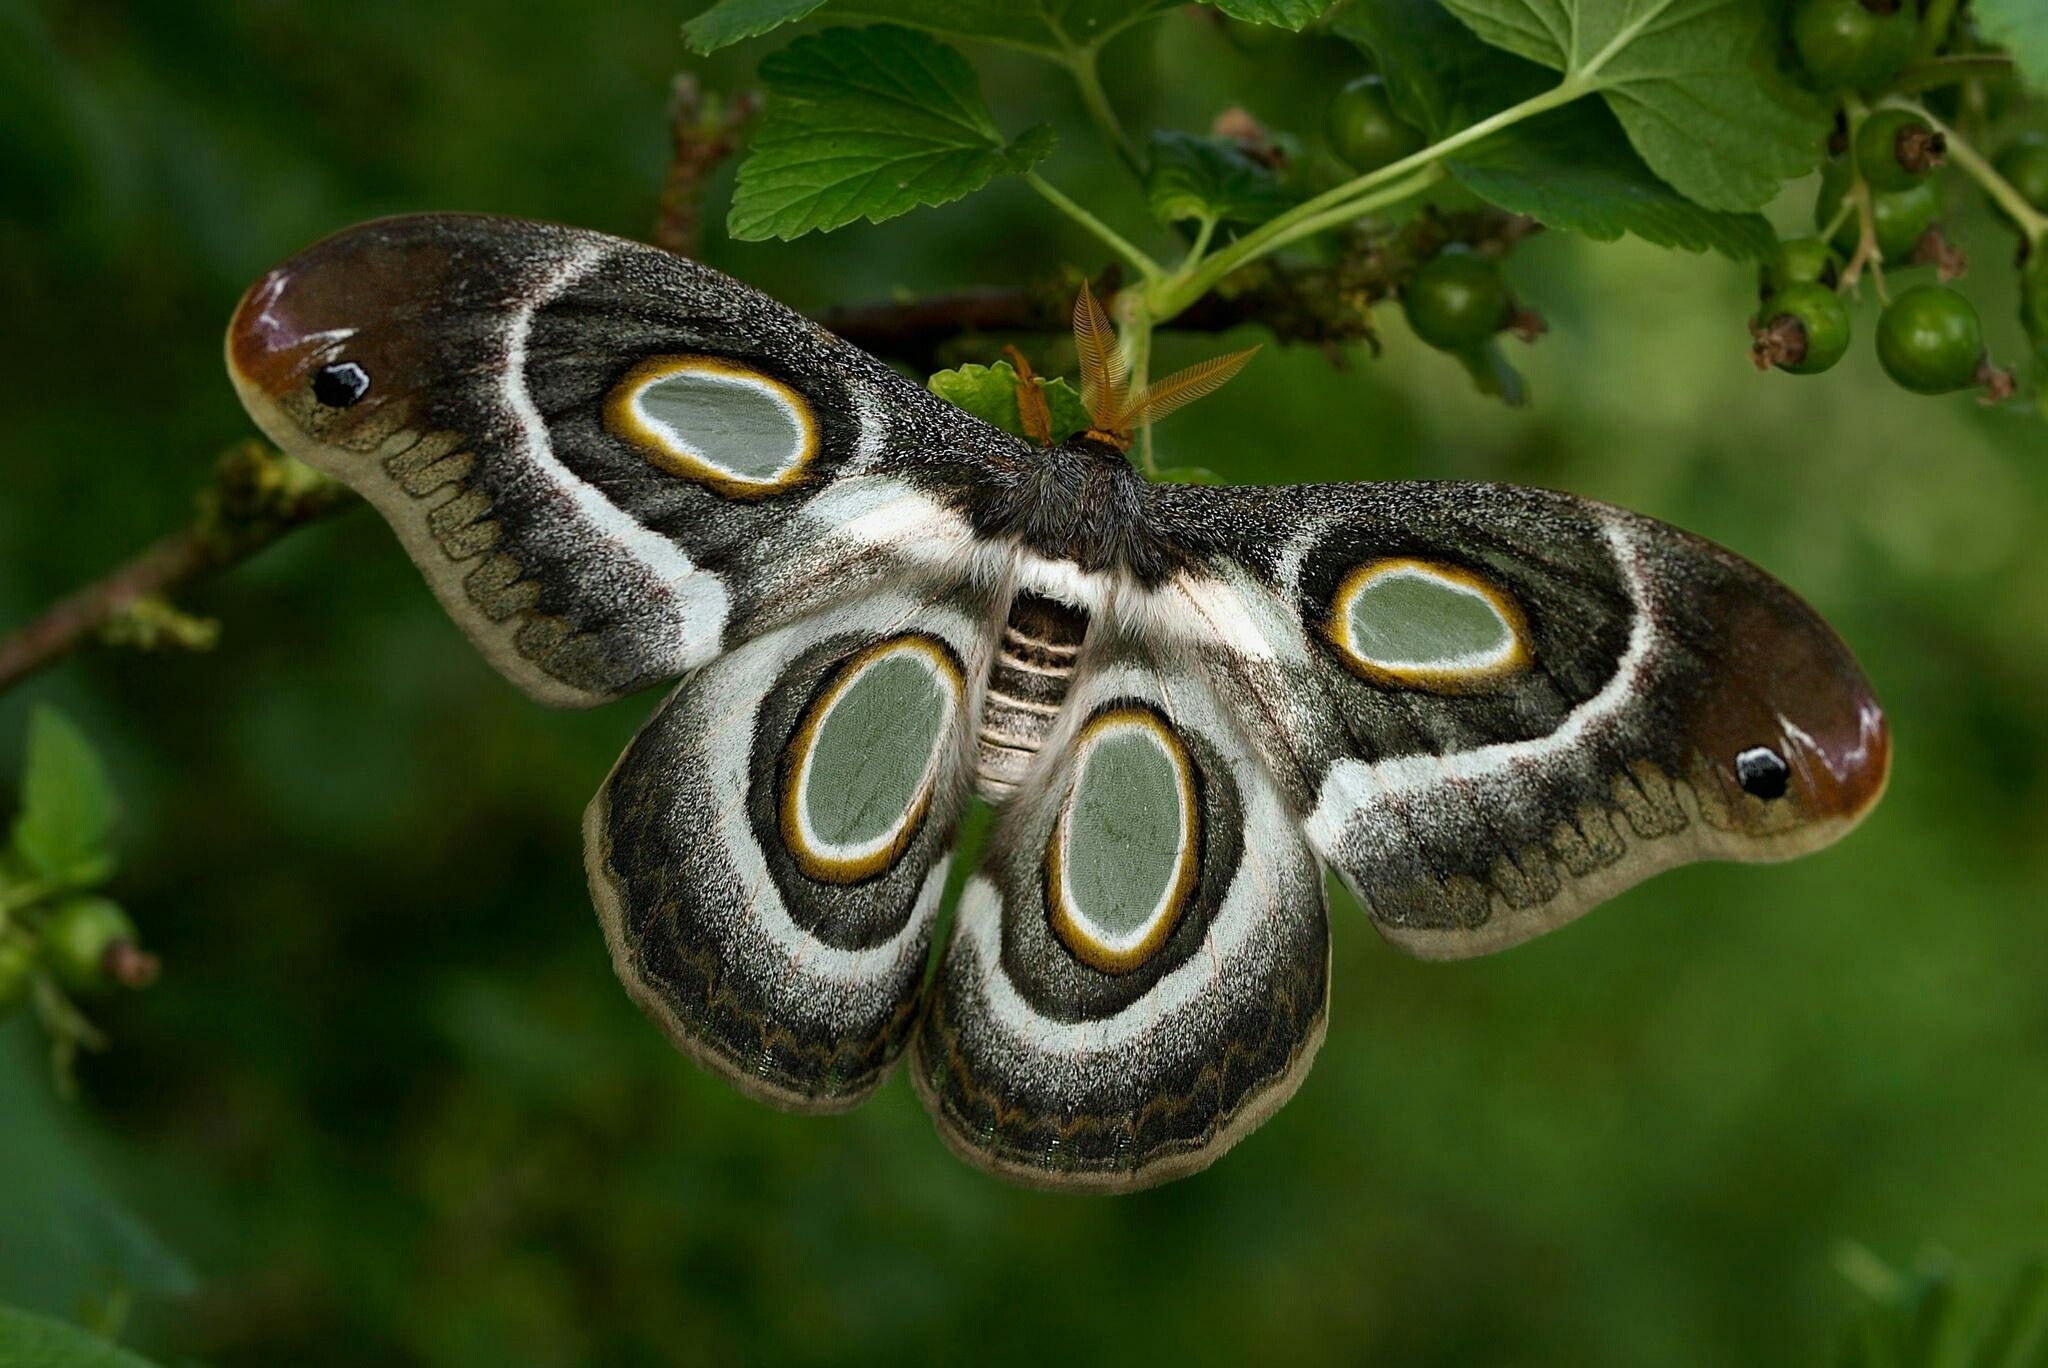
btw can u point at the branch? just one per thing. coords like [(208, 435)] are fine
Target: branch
[(704, 131), (257, 497), (1326, 305)]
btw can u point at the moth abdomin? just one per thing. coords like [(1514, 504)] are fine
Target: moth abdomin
[(1486, 707)]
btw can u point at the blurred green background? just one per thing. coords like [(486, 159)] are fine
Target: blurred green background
[(388, 1104)]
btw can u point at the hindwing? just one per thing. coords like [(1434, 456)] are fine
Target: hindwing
[(1139, 969), (768, 855)]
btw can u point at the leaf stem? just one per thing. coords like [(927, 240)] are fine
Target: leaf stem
[(1200, 246), (2032, 223), (1085, 68), (1169, 296), (1115, 241), (1134, 335), (1364, 204), (1934, 25), (1867, 253), (1936, 72), (22, 895)]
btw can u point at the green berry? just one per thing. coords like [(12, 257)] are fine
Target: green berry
[(17, 970), (1896, 149), (1930, 341), (1799, 261), (2024, 164), (1364, 130), (1900, 219), (91, 946), (1803, 329), (1853, 44), (1457, 300)]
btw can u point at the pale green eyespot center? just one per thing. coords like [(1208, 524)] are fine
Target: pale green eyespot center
[(1124, 850), (865, 758), (1418, 624), (715, 422)]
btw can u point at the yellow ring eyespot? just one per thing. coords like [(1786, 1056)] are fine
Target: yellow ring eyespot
[(1110, 949), (859, 849), (743, 434), (1416, 624)]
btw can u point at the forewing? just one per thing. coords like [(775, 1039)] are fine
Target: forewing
[(610, 463), (768, 855), (1494, 707), (1138, 971)]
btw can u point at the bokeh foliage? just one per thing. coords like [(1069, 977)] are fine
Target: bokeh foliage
[(388, 1104)]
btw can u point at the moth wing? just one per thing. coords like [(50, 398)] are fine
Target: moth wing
[(609, 462), (1138, 971), (768, 855), (1495, 707)]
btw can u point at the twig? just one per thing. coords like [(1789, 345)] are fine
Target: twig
[(257, 497), (1323, 305), (704, 130)]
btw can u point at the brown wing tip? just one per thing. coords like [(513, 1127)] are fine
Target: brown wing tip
[(1795, 733), (261, 345)]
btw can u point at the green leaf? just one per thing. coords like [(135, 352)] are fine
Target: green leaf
[(869, 123), (1438, 75), (2021, 28), (990, 394), (1572, 168), (67, 805), (1051, 28), (731, 21), (73, 1240), (1690, 80), (1194, 177), (1288, 14), (30, 1341)]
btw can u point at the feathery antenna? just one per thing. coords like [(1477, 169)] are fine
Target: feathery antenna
[(1106, 378)]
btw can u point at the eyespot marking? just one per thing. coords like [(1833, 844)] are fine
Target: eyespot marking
[(1422, 625), (340, 384), (739, 432), (1762, 772), (1121, 863), (864, 760)]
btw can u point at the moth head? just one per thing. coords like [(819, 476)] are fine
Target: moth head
[(1791, 734), (1114, 408), (304, 367)]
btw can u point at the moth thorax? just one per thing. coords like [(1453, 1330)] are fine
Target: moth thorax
[(1034, 665)]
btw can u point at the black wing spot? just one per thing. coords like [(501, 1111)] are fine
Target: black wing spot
[(1762, 772), (340, 384)]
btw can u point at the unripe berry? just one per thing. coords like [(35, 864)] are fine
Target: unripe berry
[(1930, 340)]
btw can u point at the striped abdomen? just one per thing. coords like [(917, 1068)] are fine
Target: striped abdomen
[(1033, 666)]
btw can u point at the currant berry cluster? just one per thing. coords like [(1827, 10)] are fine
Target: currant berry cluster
[(1881, 204)]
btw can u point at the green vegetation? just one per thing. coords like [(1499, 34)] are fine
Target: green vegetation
[(386, 1102)]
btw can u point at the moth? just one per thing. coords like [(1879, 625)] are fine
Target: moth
[(1485, 707)]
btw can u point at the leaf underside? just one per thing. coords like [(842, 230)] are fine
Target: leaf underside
[(1048, 27), (1690, 80), (1288, 14), (1572, 169)]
